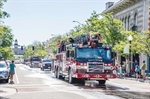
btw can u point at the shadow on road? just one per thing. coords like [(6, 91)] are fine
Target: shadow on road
[(2, 82), (3, 98), (129, 94)]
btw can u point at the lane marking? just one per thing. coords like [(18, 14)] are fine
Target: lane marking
[(16, 77)]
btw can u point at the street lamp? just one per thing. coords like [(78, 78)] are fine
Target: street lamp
[(1, 41), (130, 56), (78, 22)]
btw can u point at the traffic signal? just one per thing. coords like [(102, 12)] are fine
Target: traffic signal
[(21, 47), (32, 47)]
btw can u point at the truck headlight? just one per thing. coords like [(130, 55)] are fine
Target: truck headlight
[(82, 67), (114, 71)]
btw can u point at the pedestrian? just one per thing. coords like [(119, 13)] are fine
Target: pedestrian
[(12, 71), (137, 72), (120, 70), (143, 68), (134, 66), (116, 69)]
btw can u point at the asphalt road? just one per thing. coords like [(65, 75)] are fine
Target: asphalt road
[(32, 83)]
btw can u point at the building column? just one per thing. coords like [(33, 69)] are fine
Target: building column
[(143, 57), (148, 58)]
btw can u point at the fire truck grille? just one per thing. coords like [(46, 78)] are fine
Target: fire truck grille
[(95, 67)]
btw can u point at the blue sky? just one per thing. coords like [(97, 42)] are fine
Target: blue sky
[(36, 20)]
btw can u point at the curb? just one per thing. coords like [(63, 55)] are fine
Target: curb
[(134, 79), (6, 91)]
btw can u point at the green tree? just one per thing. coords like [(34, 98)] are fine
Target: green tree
[(3, 14), (143, 43), (29, 52), (139, 44), (5, 34), (39, 50), (111, 29), (7, 53)]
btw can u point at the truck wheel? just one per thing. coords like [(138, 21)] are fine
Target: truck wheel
[(102, 82), (57, 73), (70, 78)]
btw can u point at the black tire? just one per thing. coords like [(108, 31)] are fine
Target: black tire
[(7, 80), (102, 82), (57, 73), (71, 80)]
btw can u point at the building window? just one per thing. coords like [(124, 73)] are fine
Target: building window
[(135, 19), (129, 23), (123, 22), (126, 23)]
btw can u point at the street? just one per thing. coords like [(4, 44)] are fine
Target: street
[(32, 83)]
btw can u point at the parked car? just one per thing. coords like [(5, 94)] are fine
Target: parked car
[(26, 61), (46, 64), (4, 72), (17, 62)]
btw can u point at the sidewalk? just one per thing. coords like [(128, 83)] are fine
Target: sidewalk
[(134, 79), (7, 91)]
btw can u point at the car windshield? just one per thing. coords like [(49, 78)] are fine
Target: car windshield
[(35, 59), (2, 65), (47, 60), (26, 60), (93, 53)]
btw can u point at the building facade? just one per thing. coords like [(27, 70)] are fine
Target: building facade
[(17, 49), (135, 14)]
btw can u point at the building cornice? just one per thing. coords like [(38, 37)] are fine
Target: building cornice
[(119, 6)]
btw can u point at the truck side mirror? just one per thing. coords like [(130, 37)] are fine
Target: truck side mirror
[(113, 54), (72, 53), (67, 54)]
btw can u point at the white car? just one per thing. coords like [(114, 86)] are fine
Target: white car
[(4, 72)]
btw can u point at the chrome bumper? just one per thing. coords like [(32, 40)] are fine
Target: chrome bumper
[(4, 76)]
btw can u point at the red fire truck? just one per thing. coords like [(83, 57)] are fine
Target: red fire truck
[(85, 58)]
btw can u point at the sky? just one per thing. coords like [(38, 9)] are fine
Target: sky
[(38, 20)]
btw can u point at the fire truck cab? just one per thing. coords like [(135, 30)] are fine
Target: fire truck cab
[(86, 62)]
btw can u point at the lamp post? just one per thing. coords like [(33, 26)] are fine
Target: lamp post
[(130, 56), (78, 22), (1, 41)]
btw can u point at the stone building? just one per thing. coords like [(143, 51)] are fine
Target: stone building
[(17, 49), (136, 16)]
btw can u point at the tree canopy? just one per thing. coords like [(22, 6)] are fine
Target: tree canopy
[(5, 34)]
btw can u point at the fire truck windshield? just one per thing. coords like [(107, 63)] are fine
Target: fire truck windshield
[(93, 53)]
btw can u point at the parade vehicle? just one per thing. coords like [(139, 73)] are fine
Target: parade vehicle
[(35, 61), (46, 64), (84, 58)]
